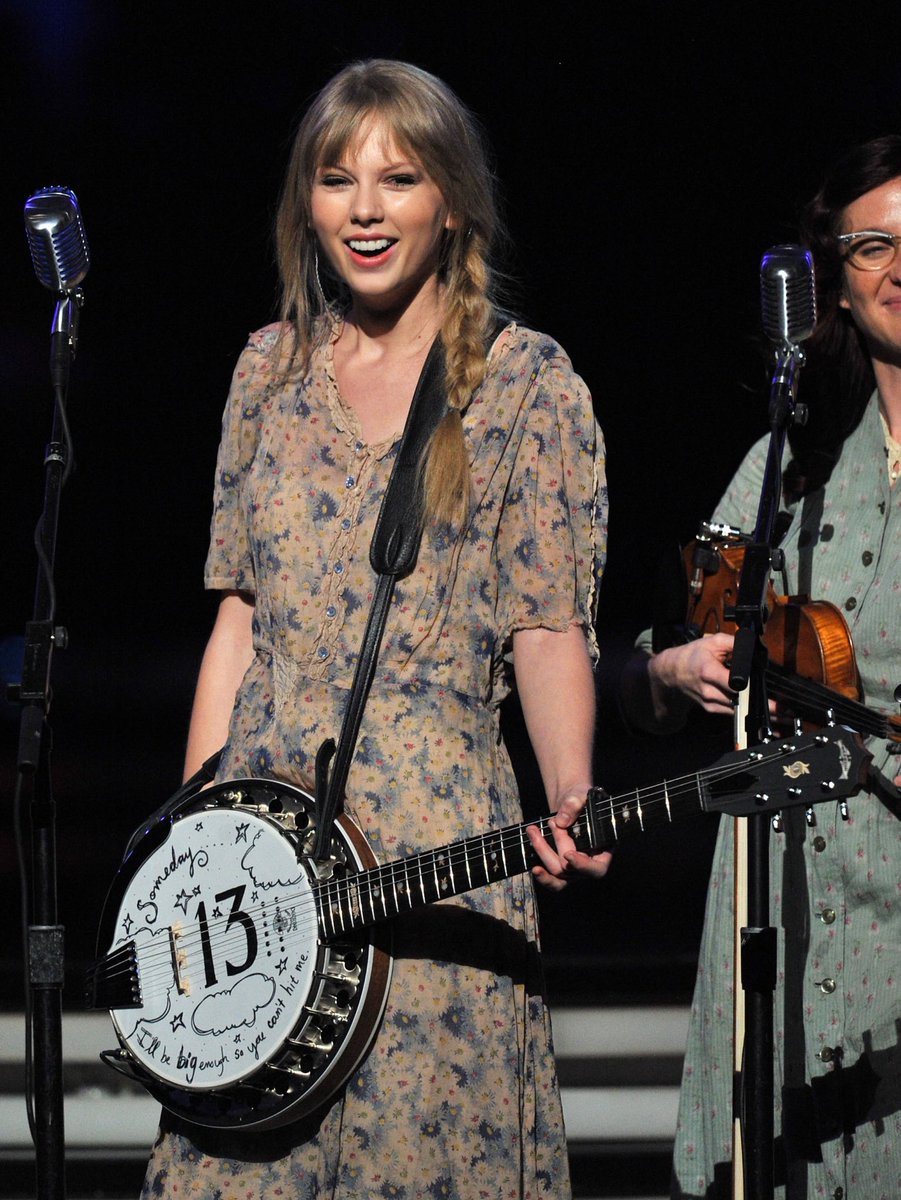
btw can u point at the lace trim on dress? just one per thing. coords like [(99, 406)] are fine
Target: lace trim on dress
[(343, 415), (892, 452)]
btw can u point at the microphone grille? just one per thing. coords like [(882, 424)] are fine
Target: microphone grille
[(56, 238), (788, 294)]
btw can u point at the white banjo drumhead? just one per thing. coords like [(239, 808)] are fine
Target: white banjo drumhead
[(224, 924)]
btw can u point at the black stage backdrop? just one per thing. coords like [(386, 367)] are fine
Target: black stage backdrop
[(649, 153)]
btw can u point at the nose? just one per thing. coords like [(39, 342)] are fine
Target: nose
[(367, 204)]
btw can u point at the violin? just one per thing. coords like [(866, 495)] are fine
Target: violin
[(811, 665)]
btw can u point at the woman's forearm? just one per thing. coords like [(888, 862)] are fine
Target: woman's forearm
[(556, 690), (228, 654)]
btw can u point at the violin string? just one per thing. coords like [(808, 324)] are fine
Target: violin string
[(342, 893), (849, 712)]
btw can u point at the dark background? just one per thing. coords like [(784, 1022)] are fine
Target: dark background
[(648, 153)]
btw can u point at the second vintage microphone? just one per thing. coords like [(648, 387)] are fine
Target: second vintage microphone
[(789, 311), (787, 294), (61, 258)]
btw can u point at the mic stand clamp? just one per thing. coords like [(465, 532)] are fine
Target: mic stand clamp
[(783, 410), (64, 335)]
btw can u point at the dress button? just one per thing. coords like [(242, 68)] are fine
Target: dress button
[(851, 603), (867, 557), (827, 916), (838, 1194), (330, 611), (349, 481), (345, 524), (322, 652), (826, 986), (339, 568), (827, 1054), (819, 843)]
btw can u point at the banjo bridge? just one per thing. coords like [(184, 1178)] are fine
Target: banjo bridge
[(179, 960)]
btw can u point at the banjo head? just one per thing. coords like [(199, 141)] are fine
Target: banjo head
[(229, 1004)]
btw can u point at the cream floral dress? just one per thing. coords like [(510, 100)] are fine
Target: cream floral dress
[(458, 1097)]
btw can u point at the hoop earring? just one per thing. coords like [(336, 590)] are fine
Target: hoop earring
[(319, 287)]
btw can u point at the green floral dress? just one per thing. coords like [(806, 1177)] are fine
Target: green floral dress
[(836, 887), (458, 1097)]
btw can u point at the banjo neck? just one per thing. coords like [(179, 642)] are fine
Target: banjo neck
[(781, 774), (352, 902)]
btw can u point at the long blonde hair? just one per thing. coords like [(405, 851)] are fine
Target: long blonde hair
[(430, 123)]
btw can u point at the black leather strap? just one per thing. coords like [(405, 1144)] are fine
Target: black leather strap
[(395, 545), (395, 542), (809, 535)]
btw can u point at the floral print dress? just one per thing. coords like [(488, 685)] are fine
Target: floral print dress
[(836, 885), (458, 1097)]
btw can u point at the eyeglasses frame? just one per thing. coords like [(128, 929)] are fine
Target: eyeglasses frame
[(894, 239)]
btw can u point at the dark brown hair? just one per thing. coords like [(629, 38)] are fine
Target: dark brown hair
[(838, 379)]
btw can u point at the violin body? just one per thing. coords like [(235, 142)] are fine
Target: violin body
[(809, 637), (812, 667)]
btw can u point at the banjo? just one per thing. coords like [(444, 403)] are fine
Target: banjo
[(246, 979)]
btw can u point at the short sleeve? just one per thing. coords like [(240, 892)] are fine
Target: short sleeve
[(737, 507), (229, 563), (552, 538), (739, 503)]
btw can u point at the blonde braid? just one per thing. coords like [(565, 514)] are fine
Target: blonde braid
[(467, 319)]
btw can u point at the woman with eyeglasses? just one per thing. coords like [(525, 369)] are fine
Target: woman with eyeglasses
[(835, 879)]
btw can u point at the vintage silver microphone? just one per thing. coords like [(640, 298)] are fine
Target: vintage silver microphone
[(787, 294), (56, 238), (789, 309), (61, 258)]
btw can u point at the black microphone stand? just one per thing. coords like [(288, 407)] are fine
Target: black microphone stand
[(44, 976), (754, 1087)]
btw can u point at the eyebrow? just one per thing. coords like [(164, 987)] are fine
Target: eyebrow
[(852, 233), (392, 166)]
